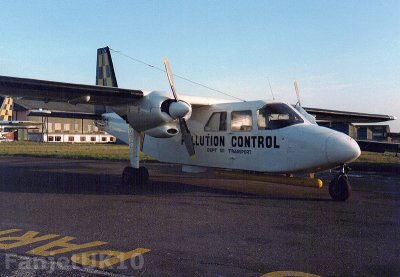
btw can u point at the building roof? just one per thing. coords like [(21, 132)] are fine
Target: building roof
[(349, 117)]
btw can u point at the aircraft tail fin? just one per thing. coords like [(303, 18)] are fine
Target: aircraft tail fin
[(6, 109), (105, 75)]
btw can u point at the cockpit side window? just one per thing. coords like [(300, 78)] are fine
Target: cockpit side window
[(276, 116), (241, 121), (216, 122)]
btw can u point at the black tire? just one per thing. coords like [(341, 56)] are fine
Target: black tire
[(142, 175), (128, 176), (339, 188), (134, 178)]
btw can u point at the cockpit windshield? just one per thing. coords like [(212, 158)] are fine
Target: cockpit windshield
[(308, 116), (277, 115)]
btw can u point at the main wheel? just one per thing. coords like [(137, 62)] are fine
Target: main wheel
[(143, 175), (339, 188), (135, 177)]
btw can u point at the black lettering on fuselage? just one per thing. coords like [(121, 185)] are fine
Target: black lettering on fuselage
[(208, 141), (247, 141), (215, 140), (268, 142), (202, 141), (237, 141), (260, 142), (222, 141), (233, 142), (253, 140), (240, 141), (275, 144)]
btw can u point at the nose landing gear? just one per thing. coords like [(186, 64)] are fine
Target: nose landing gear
[(339, 187)]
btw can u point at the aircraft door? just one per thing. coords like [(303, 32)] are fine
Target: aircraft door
[(272, 139), (240, 152), (214, 140)]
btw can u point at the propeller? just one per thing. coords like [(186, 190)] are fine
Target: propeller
[(186, 136), (297, 93), (300, 109)]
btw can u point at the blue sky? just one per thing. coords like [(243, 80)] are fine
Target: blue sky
[(344, 54)]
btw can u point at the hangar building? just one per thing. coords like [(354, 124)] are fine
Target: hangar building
[(58, 129)]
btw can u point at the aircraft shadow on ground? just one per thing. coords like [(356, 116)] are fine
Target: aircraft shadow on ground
[(17, 179)]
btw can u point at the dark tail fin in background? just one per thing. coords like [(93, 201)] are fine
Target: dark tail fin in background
[(105, 74), (6, 109)]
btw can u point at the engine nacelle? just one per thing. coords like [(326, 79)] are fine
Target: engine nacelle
[(163, 131), (146, 113), (157, 110)]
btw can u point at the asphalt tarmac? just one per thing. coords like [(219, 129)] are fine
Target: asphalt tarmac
[(186, 225)]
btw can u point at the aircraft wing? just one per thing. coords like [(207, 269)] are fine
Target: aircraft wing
[(49, 91), (59, 109), (346, 117), (12, 124), (15, 127), (200, 101), (66, 114)]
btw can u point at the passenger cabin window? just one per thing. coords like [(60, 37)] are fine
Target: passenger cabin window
[(217, 122), (241, 121), (276, 116)]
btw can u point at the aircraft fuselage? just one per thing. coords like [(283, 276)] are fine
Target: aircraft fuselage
[(241, 141)]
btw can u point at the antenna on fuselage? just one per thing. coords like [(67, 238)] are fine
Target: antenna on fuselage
[(273, 97)]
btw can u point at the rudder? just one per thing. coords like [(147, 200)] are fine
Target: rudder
[(6, 109), (105, 75)]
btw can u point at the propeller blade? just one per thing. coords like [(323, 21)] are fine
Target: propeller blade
[(300, 109), (170, 78), (297, 92), (187, 138)]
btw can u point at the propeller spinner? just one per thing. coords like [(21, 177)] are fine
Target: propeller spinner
[(186, 136)]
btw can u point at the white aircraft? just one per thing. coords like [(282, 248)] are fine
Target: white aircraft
[(262, 136)]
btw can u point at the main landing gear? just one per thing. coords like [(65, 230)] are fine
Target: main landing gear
[(339, 187), (136, 177), (133, 176)]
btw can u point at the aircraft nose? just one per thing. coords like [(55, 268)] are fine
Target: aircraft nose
[(341, 148)]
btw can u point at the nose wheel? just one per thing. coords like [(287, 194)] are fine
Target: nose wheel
[(339, 187)]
